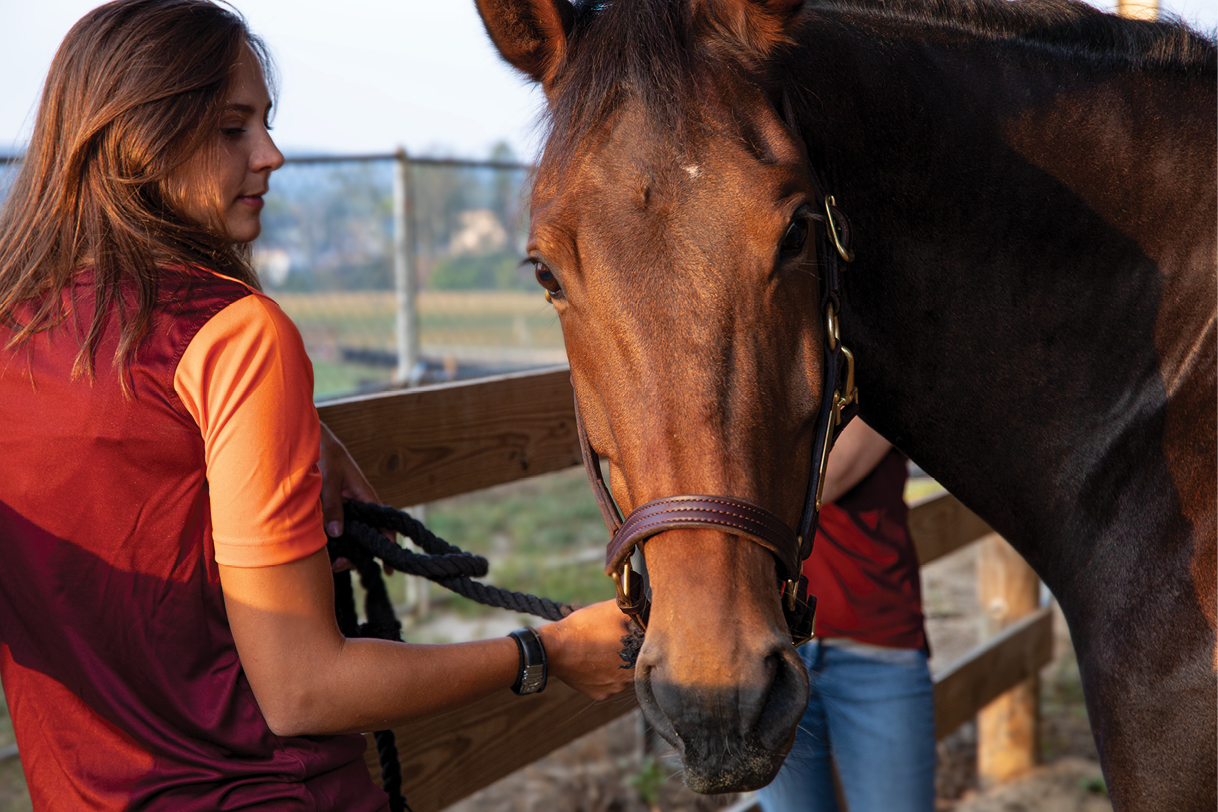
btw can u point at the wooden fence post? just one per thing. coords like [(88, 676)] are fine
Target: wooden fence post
[(1008, 728), (1139, 9)]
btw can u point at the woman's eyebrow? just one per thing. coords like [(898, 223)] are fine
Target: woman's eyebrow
[(247, 109)]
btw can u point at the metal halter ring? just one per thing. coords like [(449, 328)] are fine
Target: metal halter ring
[(831, 226)]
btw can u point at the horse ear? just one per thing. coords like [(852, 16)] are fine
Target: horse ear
[(531, 35), (758, 26)]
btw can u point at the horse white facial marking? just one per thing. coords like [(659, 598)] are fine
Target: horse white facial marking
[(694, 170)]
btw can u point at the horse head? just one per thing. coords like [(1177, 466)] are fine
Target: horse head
[(671, 227)]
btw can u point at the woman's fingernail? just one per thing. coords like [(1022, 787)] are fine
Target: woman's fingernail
[(334, 530)]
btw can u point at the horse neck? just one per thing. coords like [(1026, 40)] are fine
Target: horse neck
[(1005, 299)]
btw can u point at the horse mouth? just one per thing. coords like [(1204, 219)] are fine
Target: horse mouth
[(749, 766), (731, 738)]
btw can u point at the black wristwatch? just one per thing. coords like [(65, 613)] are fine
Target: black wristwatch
[(532, 676)]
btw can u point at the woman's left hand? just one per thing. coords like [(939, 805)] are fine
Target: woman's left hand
[(341, 479)]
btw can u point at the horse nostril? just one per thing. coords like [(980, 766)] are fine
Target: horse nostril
[(786, 701), (655, 712)]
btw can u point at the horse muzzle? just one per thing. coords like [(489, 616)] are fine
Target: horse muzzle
[(728, 700)]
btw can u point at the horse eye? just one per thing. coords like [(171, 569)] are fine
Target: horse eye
[(546, 277), (797, 234)]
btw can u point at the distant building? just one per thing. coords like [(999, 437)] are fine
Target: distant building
[(480, 232)]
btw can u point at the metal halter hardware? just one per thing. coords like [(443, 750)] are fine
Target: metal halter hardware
[(736, 516)]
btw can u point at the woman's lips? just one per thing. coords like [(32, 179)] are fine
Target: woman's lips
[(254, 201)]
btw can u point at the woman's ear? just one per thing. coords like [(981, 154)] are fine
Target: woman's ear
[(531, 35)]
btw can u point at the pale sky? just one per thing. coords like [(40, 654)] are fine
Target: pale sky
[(356, 76)]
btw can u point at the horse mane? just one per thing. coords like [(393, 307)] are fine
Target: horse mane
[(1069, 27), (648, 48)]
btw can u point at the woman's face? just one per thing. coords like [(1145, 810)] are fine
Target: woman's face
[(244, 156)]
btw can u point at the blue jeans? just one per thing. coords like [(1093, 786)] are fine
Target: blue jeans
[(872, 713)]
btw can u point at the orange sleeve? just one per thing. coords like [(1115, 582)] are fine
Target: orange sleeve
[(246, 380)]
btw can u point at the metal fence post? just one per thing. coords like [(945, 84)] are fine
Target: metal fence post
[(403, 274)]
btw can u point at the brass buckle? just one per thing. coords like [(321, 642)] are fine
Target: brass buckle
[(852, 393), (840, 402), (842, 251), (630, 597), (801, 619), (790, 597), (824, 453)]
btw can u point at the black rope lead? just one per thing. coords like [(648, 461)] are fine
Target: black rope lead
[(383, 624), (449, 566), (443, 563)]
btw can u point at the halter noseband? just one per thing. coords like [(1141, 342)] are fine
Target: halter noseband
[(736, 516)]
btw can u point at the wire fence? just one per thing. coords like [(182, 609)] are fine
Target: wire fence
[(400, 270)]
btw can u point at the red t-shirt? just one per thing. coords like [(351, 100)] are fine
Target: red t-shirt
[(863, 569), (119, 667)]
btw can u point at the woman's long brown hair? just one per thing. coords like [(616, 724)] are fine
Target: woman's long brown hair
[(135, 92)]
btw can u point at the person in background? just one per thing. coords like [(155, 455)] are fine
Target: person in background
[(167, 629), (871, 710)]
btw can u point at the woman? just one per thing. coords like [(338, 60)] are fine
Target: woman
[(167, 635)]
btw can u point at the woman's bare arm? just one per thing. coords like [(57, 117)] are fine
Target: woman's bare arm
[(310, 680), (856, 453)]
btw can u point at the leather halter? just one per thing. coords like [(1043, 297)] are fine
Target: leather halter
[(839, 401)]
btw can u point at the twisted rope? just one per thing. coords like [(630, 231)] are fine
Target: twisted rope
[(449, 566), (382, 624)]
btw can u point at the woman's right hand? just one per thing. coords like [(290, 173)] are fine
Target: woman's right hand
[(582, 650)]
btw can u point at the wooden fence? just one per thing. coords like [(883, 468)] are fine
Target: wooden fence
[(427, 444)]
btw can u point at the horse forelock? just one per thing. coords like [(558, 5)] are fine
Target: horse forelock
[(664, 55), (617, 51)]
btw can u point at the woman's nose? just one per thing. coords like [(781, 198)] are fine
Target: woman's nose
[(266, 156)]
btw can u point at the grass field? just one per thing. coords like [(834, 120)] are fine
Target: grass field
[(366, 319), (449, 323)]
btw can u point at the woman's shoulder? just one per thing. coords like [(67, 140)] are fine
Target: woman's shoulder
[(179, 281), (204, 292), (226, 313)]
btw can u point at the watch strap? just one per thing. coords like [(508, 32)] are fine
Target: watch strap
[(532, 676)]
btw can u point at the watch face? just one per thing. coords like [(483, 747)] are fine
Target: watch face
[(534, 678)]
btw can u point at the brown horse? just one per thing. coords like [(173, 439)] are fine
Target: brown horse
[(1032, 307)]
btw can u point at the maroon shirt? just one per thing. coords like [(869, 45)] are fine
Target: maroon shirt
[(863, 569), (118, 664)]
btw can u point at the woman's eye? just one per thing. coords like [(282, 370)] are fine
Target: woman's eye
[(797, 234), (545, 277), (231, 132)]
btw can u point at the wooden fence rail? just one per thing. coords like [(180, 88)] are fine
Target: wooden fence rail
[(431, 443)]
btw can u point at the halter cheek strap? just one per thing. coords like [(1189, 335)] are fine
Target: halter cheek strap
[(735, 516)]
